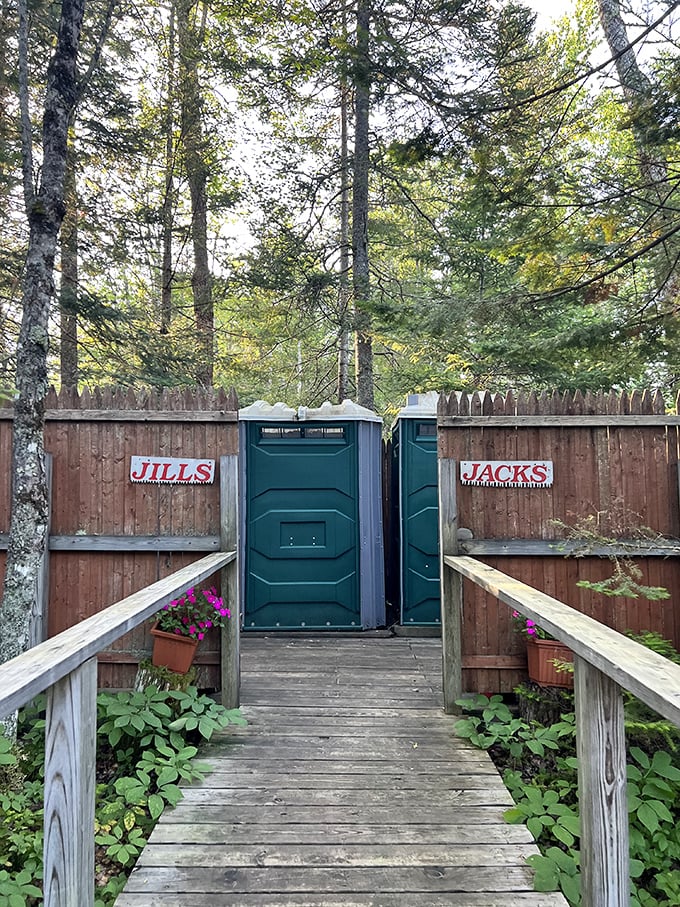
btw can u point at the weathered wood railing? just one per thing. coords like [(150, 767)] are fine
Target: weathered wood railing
[(605, 663), (66, 666)]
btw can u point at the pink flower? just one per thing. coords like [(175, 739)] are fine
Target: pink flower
[(201, 635)]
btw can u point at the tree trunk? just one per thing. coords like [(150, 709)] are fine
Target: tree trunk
[(344, 289), (169, 195), (68, 288), (638, 95), (194, 146), (45, 211), (637, 91), (360, 261)]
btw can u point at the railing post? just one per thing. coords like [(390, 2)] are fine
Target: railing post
[(70, 752), (40, 616), (231, 661), (451, 586), (601, 751)]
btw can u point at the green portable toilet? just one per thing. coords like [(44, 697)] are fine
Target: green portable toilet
[(311, 526), (416, 502)]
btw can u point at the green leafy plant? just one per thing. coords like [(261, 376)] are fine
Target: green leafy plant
[(147, 743)]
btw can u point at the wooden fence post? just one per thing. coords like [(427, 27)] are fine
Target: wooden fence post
[(70, 753), (231, 660), (601, 750), (451, 586), (40, 614)]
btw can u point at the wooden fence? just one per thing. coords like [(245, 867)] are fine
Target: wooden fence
[(615, 458), (110, 537)]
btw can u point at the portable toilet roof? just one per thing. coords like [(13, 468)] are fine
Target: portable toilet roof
[(346, 411), (419, 406)]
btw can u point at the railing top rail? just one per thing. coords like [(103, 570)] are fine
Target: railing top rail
[(28, 674), (649, 676)]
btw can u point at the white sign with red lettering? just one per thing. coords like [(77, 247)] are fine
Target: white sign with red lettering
[(509, 473), (172, 470)]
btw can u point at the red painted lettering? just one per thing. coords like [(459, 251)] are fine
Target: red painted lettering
[(486, 475), (508, 469), (202, 472), (519, 473), (164, 476), (139, 476), (471, 477), (539, 473), (183, 475)]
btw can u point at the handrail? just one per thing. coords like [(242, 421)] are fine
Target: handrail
[(66, 666), (651, 677), (23, 677)]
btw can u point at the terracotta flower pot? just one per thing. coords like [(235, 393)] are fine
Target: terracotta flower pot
[(540, 655), (171, 651)]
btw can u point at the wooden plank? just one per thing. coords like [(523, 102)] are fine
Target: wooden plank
[(451, 587), (530, 547), (133, 543), (603, 804), (70, 753), (452, 835), (319, 879), (130, 415), (560, 421), (363, 854), (28, 674), (387, 799), (229, 530), (352, 899), (449, 778)]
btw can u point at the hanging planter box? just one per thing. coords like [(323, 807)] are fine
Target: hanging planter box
[(171, 651), (541, 653)]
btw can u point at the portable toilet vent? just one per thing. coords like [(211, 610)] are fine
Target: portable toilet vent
[(414, 470), (311, 525)]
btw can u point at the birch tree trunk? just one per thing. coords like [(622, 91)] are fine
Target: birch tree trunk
[(45, 212), (360, 260), (638, 95), (637, 92)]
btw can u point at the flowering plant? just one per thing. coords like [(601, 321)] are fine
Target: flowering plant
[(529, 628), (193, 613)]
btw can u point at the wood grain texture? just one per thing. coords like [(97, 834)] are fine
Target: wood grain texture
[(229, 523), (603, 803), (70, 750), (451, 587), (334, 797)]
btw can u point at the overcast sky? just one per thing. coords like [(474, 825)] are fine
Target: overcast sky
[(549, 9)]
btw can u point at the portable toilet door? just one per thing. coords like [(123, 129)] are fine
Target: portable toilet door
[(415, 462), (311, 527)]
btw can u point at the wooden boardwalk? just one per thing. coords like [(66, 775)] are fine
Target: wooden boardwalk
[(347, 789)]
